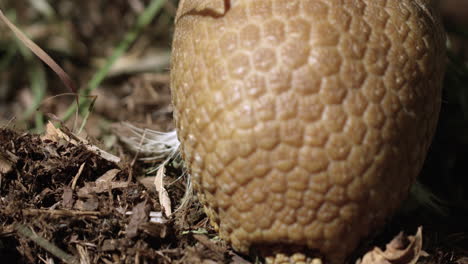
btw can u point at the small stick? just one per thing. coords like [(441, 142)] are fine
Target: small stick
[(42, 242), (60, 212)]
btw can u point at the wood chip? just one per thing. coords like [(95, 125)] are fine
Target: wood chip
[(67, 198), (108, 176), (139, 217)]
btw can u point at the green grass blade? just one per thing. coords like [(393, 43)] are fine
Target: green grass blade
[(143, 20)]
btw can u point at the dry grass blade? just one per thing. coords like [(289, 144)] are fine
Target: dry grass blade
[(77, 176), (83, 253), (41, 54), (154, 145)]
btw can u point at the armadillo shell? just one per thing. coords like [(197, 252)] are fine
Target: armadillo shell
[(304, 123)]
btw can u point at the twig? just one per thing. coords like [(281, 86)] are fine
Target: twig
[(42, 242), (60, 212)]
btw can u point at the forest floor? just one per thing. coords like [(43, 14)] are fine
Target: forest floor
[(81, 195)]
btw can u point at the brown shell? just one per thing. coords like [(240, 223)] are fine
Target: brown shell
[(304, 123)]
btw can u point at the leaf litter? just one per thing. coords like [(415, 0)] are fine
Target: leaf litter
[(90, 221), (61, 199)]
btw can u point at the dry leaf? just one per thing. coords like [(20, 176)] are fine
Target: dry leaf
[(164, 199), (55, 134), (91, 188), (401, 250)]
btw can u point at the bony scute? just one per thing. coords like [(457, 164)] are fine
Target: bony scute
[(344, 98)]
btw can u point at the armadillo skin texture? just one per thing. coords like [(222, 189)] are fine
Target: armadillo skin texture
[(304, 123)]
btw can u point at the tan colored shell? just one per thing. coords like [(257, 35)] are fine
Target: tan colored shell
[(304, 123)]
